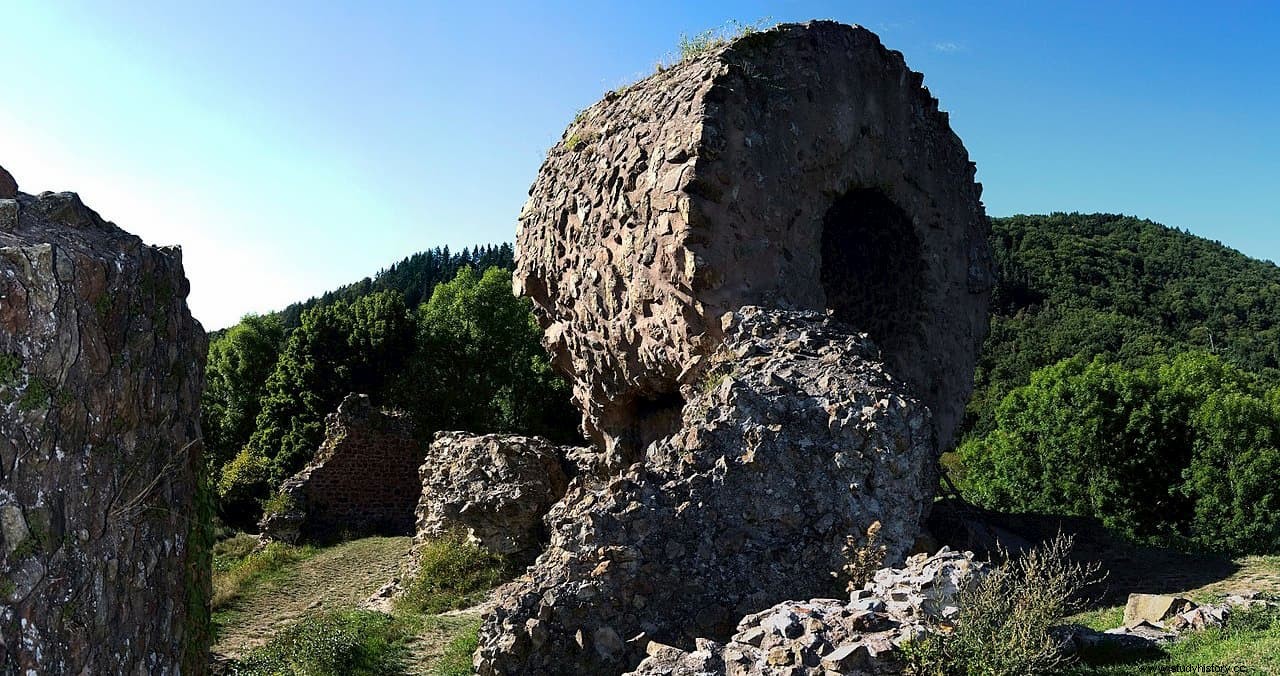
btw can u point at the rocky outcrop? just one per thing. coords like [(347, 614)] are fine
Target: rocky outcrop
[(8, 186), (362, 481), (862, 635), (495, 488), (103, 556), (796, 438), (800, 167)]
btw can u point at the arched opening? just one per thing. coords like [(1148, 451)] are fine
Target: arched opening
[(872, 270)]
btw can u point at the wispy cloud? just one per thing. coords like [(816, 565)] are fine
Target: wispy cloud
[(948, 47)]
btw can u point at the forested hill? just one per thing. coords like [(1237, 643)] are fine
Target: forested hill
[(414, 277), (1124, 288)]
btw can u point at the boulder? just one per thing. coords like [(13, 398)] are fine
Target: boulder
[(104, 551), (362, 481), (796, 438), (495, 488), (1153, 608), (800, 167)]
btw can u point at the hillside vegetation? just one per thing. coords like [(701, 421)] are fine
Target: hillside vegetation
[(1130, 375), (468, 358)]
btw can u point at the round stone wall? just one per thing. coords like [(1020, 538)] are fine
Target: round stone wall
[(802, 167)]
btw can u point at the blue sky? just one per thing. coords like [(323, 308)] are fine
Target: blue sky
[(290, 147)]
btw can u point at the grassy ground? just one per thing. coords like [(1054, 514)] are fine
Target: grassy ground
[(288, 610), (1250, 644)]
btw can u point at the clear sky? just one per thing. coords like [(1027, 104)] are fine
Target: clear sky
[(290, 147)]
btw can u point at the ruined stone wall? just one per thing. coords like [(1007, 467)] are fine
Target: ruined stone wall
[(363, 480), (798, 439), (802, 167), (765, 272), (103, 557)]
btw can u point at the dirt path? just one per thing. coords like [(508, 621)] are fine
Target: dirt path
[(335, 577)]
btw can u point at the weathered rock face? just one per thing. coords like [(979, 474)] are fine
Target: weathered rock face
[(103, 560), (796, 438), (496, 488), (363, 480), (8, 186), (802, 167), (860, 635)]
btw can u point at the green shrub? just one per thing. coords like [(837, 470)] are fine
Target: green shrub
[(1181, 450), (453, 573), (244, 483), (1005, 617), (333, 643)]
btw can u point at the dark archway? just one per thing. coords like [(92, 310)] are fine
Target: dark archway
[(872, 269)]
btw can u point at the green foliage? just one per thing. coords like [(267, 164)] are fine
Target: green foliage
[(1005, 617), (453, 573), (470, 358), (198, 584), (243, 484), (333, 643), (414, 277), (480, 358), (38, 395), (1250, 642), (10, 369), (230, 551), (338, 349), (278, 503), (1102, 284), (240, 361), (1177, 448)]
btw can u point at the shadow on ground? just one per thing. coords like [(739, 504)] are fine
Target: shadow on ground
[(1129, 567)]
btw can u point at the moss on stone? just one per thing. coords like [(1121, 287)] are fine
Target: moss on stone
[(198, 631)]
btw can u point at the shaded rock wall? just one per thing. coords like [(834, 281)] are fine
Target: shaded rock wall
[(802, 167), (363, 480), (797, 438), (103, 558)]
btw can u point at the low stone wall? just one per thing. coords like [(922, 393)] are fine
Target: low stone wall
[(363, 481)]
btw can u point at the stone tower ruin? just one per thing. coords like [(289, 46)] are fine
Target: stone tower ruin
[(802, 168)]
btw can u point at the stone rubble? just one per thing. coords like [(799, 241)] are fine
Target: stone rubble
[(797, 438), (862, 634), (495, 488), (1152, 620)]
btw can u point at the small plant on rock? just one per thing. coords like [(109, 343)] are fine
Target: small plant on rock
[(863, 557), (1005, 616)]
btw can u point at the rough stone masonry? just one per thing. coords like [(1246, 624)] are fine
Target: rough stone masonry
[(103, 561), (802, 167), (765, 271), (362, 481)]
